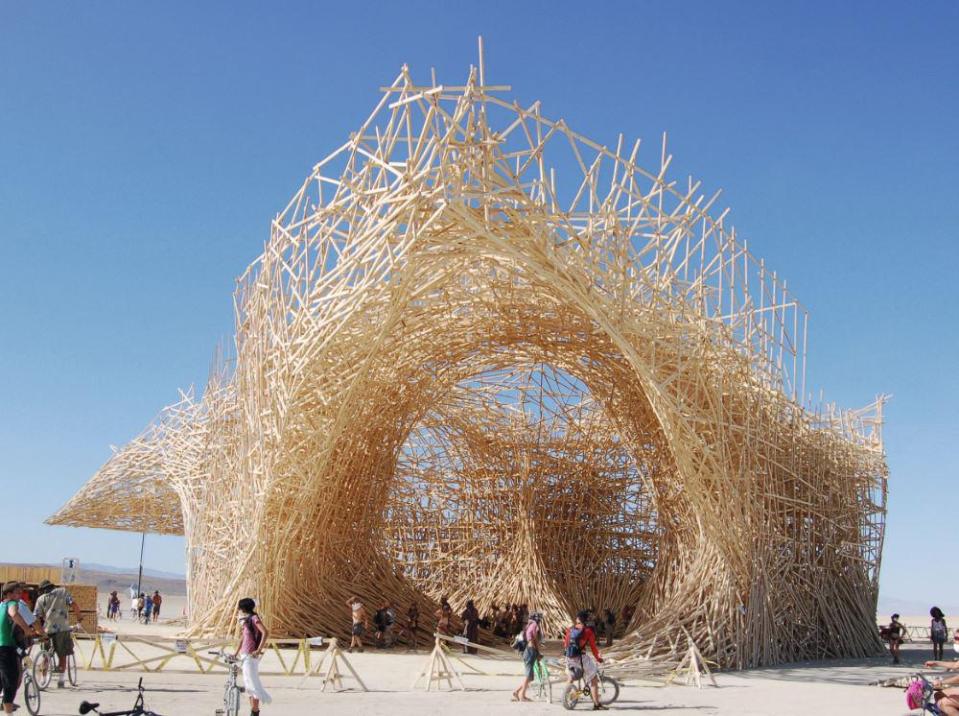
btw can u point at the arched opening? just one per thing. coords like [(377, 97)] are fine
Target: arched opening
[(518, 487)]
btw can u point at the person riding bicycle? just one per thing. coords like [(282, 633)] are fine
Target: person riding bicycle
[(52, 610), (578, 659)]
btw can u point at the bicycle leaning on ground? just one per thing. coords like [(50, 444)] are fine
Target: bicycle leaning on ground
[(232, 691), (608, 690), (31, 692), (137, 710), (45, 665)]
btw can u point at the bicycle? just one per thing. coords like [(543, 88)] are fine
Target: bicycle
[(137, 710), (232, 690), (541, 682), (44, 666), (31, 692), (608, 689)]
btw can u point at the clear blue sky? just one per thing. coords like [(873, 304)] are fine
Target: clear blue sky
[(144, 148)]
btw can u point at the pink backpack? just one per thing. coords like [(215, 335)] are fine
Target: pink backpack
[(915, 697)]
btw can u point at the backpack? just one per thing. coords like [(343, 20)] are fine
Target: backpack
[(574, 649), (915, 695), (254, 632), (519, 641), (938, 630)]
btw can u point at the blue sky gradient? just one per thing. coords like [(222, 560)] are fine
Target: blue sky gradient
[(144, 149)]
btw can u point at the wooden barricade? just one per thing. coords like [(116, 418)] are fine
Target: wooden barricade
[(439, 668), (123, 652)]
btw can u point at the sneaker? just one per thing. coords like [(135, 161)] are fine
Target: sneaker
[(600, 707)]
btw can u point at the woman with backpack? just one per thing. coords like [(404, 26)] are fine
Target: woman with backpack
[(580, 662), (529, 641), (253, 636), (937, 631)]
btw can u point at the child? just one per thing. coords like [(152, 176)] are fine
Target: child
[(937, 632), (253, 636)]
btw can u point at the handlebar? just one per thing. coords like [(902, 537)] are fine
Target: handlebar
[(228, 658)]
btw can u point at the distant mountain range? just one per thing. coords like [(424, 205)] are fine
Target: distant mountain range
[(130, 570), (108, 578), (911, 607)]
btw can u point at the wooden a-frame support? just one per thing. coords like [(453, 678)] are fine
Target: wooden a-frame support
[(439, 667)]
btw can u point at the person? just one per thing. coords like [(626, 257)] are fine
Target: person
[(412, 623), (157, 601), (947, 699), (628, 612), (383, 621), (610, 626), (140, 604), (533, 637), (444, 617), (147, 609), (24, 640), (253, 636), (580, 662), (51, 610), (360, 622), (937, 631), (471, 619), (10, 619), (894, 632), (134, 596), (115, 604)]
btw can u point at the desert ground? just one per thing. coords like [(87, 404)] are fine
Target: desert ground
[(826, 687)]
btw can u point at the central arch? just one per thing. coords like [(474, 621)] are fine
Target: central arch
[(518, 488)]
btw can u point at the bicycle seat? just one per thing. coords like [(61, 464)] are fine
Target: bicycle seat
[(86, 707)]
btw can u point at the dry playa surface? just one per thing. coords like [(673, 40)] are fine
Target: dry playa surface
[(825, 687)]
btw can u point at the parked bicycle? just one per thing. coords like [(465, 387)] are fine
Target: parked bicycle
[(232, 691), (31, 692), (45, 665), (137, 710), (607, 685)]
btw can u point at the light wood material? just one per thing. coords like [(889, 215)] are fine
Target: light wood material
[(484, 356)]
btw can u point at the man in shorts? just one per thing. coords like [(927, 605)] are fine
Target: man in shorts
[(360, 622), (53, 609)]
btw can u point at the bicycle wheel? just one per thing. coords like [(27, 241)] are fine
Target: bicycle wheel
[(31, 694), (231, 700), (571, 697), (72, 669), (42, 669), (608, 690)]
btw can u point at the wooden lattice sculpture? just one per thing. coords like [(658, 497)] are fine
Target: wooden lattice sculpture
[(459, 370)]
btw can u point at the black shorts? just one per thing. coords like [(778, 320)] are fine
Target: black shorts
[(358, 629)]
